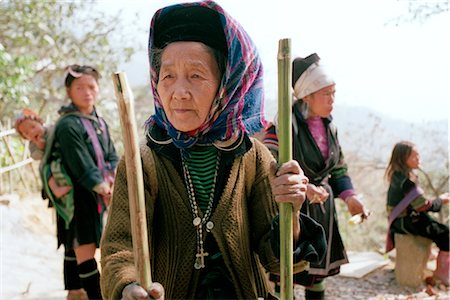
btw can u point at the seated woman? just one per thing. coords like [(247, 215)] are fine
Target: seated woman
[(408, 208)]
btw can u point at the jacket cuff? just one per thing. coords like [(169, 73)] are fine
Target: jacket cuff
[(347, 193), (310, 247), (437, 205)]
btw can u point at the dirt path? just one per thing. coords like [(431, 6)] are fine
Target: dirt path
[(378, 285), (31, 266)]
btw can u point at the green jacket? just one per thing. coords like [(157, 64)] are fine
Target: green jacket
[(242, 228)]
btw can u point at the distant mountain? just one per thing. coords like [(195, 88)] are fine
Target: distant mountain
[(371, 135)]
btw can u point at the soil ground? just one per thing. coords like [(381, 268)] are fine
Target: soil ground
[(31, 266)]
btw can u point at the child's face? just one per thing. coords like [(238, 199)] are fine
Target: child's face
[(32, 130), (413, 161)]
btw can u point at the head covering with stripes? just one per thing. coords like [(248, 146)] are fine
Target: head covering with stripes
[(238, 106)]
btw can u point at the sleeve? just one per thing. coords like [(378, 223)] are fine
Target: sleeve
[(118, 268), (340, 181), (312, 244), (117, 261), (271, 140), (112, 157), (76, 157), (263, 210), (35, 152), (421, 203), (437, 205)]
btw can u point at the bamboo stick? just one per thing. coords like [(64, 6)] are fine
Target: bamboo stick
[(134, 178), (284, 155)]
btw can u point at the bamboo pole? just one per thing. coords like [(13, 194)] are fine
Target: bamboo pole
[(134, 178), (284, 155)]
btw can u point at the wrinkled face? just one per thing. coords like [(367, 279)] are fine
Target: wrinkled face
[(413, 160), (83, 93), (32, 130), (321, 102), (188, 82)]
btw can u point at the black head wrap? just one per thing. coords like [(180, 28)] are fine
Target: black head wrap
[(299, 65), (192, 23)]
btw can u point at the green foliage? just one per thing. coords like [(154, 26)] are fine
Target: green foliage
[(41, 38), (15, 73)]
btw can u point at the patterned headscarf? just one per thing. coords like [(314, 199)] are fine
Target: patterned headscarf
[(239, 102)]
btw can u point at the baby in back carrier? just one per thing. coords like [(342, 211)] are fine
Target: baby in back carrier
[(31, 127)]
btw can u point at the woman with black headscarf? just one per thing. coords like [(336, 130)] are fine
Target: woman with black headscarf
[(316, 147)]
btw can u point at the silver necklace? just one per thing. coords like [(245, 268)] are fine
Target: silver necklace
[(197, 221)]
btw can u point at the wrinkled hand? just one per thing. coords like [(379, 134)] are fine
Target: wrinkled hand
[(316, 194), (289, 184), (136, 292), (355, 206)]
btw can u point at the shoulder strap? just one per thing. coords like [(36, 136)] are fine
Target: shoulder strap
[(51, 136), (95, 143), (48, 146)]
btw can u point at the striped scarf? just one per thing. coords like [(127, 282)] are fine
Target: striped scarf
[(238, 106)]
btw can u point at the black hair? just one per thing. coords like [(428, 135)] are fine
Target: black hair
[(75, 71)]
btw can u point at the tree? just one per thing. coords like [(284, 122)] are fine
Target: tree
[(15, 72), (39, 39), (420, 11)]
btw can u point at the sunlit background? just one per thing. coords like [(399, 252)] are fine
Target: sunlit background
[(381, 58)]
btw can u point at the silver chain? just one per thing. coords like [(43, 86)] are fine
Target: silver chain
[(197, 221)]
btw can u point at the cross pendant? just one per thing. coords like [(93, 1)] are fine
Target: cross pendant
[(200, 260)]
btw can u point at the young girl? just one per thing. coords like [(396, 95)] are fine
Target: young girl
[(408, 208), (87, 153), (31, 127)]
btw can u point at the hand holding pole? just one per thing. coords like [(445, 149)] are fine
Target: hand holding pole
[(284, 155)]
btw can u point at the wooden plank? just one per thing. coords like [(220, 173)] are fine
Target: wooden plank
[(8, 147), (7, 132), (362, 263), (16, 165)]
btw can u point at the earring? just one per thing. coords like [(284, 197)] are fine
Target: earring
[(305, 109)]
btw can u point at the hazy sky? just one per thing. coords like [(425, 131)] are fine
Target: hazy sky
[(401, 72)]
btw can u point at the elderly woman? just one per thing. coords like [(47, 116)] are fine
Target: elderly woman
[(317, 149), (209, 201)]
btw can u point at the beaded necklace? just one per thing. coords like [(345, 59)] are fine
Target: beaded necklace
[(197, 221)]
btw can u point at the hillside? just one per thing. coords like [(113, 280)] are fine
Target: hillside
[(371, 135)]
